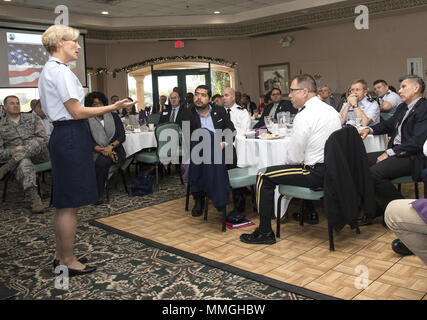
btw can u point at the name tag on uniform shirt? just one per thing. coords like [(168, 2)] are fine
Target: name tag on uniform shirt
[(165, 113)]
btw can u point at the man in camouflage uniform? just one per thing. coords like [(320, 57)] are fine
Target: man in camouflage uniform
[(23, 143)]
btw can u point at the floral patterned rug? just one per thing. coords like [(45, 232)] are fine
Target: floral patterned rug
[(127, 269)]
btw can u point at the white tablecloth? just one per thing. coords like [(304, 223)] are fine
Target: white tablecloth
[(375, 143), (266, 153), (137, 141), (260, 153)]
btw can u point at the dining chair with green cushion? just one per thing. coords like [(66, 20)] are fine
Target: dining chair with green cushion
[(239, 178), (304, 194), (168, 136), (406, 179), (113, 170), (39, 168), (153, 118)]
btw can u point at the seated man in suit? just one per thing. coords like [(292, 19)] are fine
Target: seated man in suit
[(404, 156), (175, 112), (360, 105), (304, 167), (278, 105), (161, 105), (326, 96), (212, 118)]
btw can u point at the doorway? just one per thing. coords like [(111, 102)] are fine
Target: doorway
[(186, 80)]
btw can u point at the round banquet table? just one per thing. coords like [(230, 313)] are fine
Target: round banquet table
[(261, 153), (136, 141)]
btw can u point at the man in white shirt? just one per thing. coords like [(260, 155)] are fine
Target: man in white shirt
[(359, 105), (37, 109), (241, 119), (238, 115), (313, 124), (389, 100)]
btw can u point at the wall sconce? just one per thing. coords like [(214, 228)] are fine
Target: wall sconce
[(286, 41)]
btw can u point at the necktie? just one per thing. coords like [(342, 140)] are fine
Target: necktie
[(228, 111), (272, 111), (172, 118)]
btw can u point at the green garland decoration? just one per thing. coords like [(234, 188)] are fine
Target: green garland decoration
[(159, 60)]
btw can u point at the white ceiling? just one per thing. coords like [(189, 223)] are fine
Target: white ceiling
[(151, 8), (154, 13)]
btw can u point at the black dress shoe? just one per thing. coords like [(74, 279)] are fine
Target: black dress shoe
[(399, 247), (198, 207), (258, 238), (56, 262), (309, 217), (364, 221)]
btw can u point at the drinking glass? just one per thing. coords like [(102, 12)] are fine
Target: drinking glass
[(269, 123)]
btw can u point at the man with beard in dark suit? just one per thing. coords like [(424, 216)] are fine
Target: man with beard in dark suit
[(212, 118), (275, 107)]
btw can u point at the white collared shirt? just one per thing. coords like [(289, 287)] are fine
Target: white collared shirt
[(57, 85), (241, 119), (394, 100), (425, 148), (312, 127)]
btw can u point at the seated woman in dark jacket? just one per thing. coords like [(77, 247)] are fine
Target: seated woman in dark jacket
[(108, 135)]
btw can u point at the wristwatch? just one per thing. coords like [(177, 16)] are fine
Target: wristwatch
[(355, 106)]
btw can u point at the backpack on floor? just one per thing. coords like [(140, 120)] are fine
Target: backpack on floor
[(142, 185)]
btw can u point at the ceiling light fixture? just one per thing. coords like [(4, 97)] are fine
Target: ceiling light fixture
[(7, 0), (217, 12), (105, 12)]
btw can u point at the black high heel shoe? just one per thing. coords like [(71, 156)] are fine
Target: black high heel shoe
[(56, 262), (76, 272)]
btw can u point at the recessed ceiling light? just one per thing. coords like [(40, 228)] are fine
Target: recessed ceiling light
[(105, 12), (7, 0), (217, 12)]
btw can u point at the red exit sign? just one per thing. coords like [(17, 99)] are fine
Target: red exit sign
[(179, 44)]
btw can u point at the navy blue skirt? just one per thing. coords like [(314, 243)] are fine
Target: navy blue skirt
[(73, 168)]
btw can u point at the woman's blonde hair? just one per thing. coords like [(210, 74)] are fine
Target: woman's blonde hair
[(54, 34)]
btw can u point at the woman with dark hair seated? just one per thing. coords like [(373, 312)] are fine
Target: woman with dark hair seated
[(130, 116), (108, 135)]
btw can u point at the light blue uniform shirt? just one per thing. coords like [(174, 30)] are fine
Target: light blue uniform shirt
[(393, 98), (206, 122), (57, 85), (370, 108)]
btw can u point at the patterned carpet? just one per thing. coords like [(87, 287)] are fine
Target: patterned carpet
[(127, 269)]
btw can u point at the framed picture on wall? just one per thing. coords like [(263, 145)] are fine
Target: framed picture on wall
[(274, 76)]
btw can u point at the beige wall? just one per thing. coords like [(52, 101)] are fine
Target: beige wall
[(339, 53)]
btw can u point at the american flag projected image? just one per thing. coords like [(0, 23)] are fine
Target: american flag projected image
[(26, 57)]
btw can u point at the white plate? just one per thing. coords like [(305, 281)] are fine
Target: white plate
[(269, 138)]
